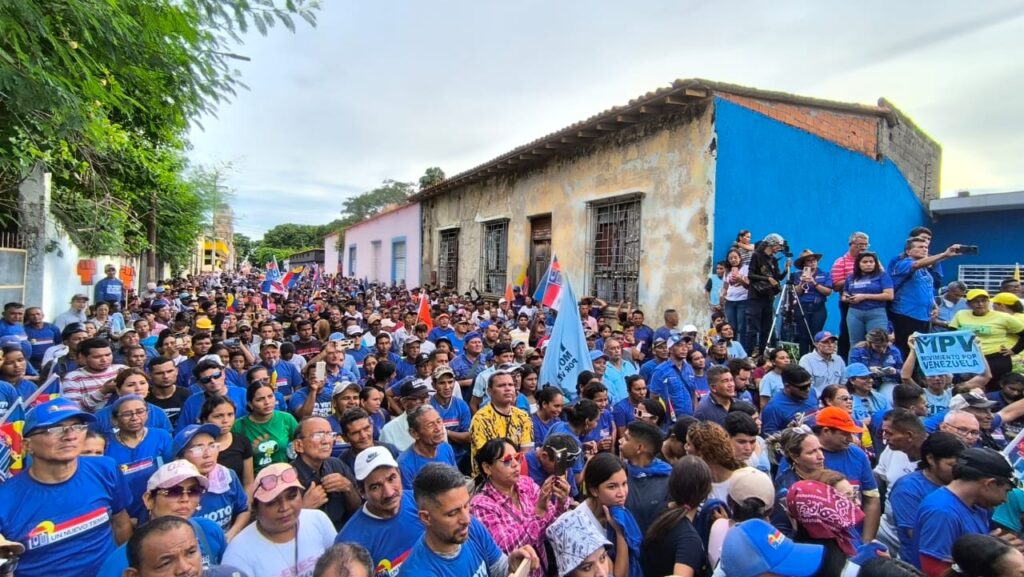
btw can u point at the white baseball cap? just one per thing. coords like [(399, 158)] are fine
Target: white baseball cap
[(372, 458)]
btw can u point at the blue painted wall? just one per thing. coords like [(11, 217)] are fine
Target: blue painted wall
[(772, 177), (994, 232)]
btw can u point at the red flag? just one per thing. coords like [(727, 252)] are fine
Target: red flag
[(423, 316), (508, 293), (554, 285)]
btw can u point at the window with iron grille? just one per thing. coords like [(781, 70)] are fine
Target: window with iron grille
[(495, 256), (985, 276), (352, 260), (375, 263), (615, 249), (448, 259), (398, 261)]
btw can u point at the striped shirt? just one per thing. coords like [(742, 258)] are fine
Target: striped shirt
[(842, 268), (83, 387)]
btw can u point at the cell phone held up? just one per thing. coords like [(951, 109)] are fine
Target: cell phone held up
[(967, 249), (321, 370)]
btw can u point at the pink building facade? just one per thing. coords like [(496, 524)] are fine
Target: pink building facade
[(384, 248)]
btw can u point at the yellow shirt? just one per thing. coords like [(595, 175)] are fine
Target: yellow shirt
[(488, 424), (994, 329)]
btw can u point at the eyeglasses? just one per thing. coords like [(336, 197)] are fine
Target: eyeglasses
[(967, 432), (136, 413), (208, 378), (844, 398), (200, 450), (263, 381), (507, 460), (287, 476), (57, 432), (642, 414), (321, 436), (177, 492)]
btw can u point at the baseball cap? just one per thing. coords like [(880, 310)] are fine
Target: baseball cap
[(983, 462), (1008, 299), (411, 340), (824, 336), (501, 349), (80, 297), (857, 370), (689, 328), (659, 342), (370, 459), (374, 318), (975, 293), (9, 340), (676, 339), (270, 343), (173, 473), (273, 480), (52, 413), (442, 371), (422, 359), (836, 418), (73, 328), (755, 547), (473, 335), (413, 388), (748, 482), (595, 354), (353, 331), (185, 436), (213, 358), (970, 400), (342, 386)]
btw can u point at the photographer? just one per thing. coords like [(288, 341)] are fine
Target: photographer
[(765, 276)]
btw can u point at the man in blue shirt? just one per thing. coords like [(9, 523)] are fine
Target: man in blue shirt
[(660, 354), (643, 333), (429, 445), (283, 375), (454, 412), (110, 289), (715, 405), (454, 542), (443, 329), (12, 325), (388, 523), (70, 513), (212, 378), (982, 478), (672, 381), (835, 429), (796, 399), (41, 335), (914, 289)]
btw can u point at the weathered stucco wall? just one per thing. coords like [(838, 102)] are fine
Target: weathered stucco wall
[(671, 163)]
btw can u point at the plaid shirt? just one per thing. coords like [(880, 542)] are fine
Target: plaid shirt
[(511, 526)]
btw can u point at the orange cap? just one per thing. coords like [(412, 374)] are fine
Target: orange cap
[(838, 419)]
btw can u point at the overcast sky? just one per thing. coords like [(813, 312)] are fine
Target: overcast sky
[(385, 89)]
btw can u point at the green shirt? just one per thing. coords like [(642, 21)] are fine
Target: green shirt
[(270, 440)]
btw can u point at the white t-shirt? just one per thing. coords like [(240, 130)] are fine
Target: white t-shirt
[(254, 554)]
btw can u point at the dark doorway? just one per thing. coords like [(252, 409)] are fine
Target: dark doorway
[(540, 248)]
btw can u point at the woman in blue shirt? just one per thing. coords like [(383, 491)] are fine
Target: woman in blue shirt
[(603, 434), (867, 291), (225, 501), (137, 449)]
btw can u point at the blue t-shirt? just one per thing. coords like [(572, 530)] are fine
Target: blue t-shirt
[(622, 413), (855, 466), (540, 429), (938, 404), (189, 414), (223, 508), (457, 417), (211, 545), (288, 378), (915, 290), (410, 462), (157, 419), (864, 407), (42, 339), (868, 285), (811, 296), (322, 406), (137, 464), (9, 397), (389, 541), (904, 499), (782, 408), (65, 526), (539, 475), (941, 519), (475, 556), (437, 333), (603, 430), (647, 369)]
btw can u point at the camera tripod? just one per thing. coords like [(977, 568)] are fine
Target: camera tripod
[(789, 326)]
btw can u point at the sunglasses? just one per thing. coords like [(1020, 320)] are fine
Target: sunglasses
[(802, 387), (287, 476), (507, 460), (178, 492), (208, 378)]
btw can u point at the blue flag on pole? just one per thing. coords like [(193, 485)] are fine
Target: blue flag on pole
[(542, 286), (567, 354)]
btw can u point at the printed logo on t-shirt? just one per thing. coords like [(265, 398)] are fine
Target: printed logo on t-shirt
[(390, 567), (137, 466), (48, 533)]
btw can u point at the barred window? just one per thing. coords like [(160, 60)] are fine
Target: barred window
[(448, 259), (352, 260), (615, 250), (398, 261), (495, 256), (985, 276)]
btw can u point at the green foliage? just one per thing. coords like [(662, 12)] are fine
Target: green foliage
[(432, 176), (102, 93), (244, 247), (263, 254), (293, 236)]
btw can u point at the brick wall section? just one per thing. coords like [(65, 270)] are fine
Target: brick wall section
[(851, 131), (918, 157)]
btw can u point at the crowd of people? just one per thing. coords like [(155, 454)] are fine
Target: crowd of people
[(203, 428)]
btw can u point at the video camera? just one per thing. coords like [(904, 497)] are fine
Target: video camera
[(786, 250)]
